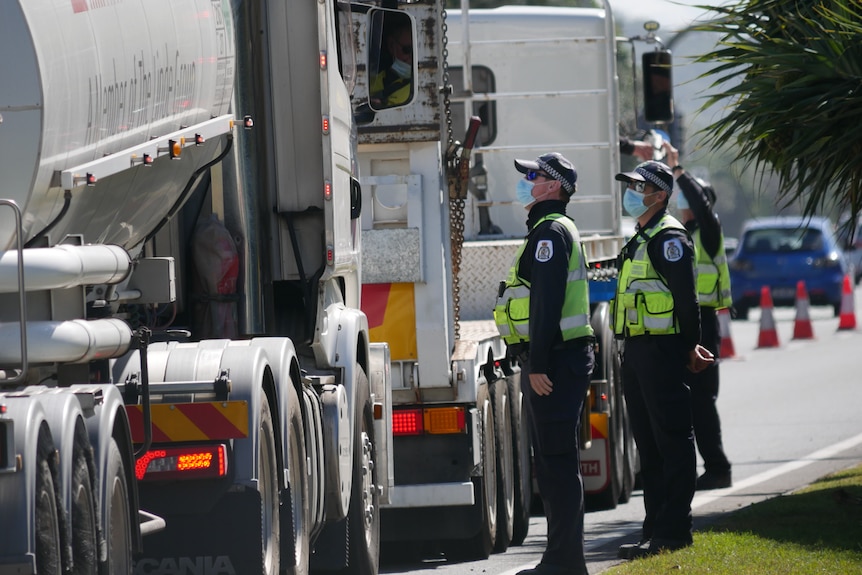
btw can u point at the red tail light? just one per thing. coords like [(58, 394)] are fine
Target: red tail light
[(195, 462), (407, 422)]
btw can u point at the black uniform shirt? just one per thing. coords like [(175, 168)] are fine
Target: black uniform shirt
[(704, 217), (678, 274), (545, 264)]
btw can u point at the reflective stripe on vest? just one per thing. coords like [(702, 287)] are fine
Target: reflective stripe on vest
[(512, 311), (713, 276), (643, 303)]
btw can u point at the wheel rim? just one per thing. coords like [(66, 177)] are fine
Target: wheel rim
[(368, 486), (296, 501), (268, 502)]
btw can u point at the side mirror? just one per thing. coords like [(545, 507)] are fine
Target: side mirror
[(658, 86)]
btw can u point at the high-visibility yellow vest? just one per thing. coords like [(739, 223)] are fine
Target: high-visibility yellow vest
[(391, 91), (643, 302), (713, 276), (512, 312)]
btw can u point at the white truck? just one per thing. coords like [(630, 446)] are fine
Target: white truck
[(187, 383), (556, 91), (461, 460)]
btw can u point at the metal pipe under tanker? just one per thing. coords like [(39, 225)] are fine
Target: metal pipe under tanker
[(90, 79)]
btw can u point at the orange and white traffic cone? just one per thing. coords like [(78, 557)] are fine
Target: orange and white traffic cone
[(726, 351), (768, 335), (847, 319), (802, 328)]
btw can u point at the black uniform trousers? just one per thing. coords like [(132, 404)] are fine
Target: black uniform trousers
[(704, 394), (659, 407), (554, 421)]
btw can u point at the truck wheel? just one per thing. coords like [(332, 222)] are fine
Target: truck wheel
[(505, 466), (298, 485), (118, 528), (630, 450), (85, 556), (607, 367), (268, 487), (630, 470), (485, 489), (47, 509), (523, 462), (363, 517)]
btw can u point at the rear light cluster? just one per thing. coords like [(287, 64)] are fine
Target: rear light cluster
[(434, 420), (740, 264), (195, 462), (833, 260)]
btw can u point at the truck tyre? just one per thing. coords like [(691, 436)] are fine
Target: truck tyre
[(118, 528), (300, 527), (268, 488), (485, 489), (505, 466), (631, 462), (522, 460), (85, 544), (608, 368), (47, 508), (630, 452), (363, 517)]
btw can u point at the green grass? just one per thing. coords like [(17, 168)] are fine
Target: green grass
[(814, 531)]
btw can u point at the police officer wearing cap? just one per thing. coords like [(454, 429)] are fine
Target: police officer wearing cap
[(695, 204), (656, 313), (542, 312)]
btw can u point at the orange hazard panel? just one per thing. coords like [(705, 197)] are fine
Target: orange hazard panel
[(391, 315), (177, 422)]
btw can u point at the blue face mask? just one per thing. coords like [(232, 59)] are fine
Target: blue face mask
[(524, 192), (402, 68), (633, 202)]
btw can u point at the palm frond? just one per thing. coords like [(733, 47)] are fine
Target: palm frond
[(791, 71)]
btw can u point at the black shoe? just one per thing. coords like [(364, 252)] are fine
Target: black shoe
[(545, 569), (657, 546), (713, 480), (630, 550)]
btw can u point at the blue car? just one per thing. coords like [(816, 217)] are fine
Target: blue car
[(778, 252)]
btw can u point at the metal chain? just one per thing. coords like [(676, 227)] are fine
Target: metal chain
[(456, 197)]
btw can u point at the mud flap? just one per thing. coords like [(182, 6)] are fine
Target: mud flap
[(226, 540)]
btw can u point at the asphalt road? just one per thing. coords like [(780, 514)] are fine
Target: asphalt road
[(790, 414)]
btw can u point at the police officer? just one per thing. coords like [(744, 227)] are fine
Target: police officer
[(695, 204), (656, 313), (542, 313)]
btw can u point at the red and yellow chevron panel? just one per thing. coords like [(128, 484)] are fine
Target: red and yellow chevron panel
[(391, 312), (203, 421)]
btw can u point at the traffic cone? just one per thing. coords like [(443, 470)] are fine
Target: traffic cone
[(847, 319), (768, 336), (802, 326), (726, 350)]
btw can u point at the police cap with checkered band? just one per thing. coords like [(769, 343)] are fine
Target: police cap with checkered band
[(556, 166)]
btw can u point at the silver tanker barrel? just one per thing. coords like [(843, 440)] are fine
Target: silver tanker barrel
[(143, 81)]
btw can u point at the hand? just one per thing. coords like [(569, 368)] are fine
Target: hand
[(541, 384), (699, 359), (643, 150), (671, 154)]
